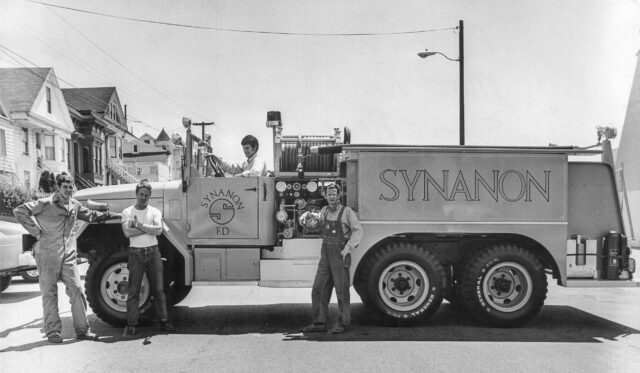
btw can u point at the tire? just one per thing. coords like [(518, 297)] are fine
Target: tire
[(404, 282), (5, 281), (504, 286), (30, 275), (106, 288)]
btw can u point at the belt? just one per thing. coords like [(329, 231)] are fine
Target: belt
[(143, 249)]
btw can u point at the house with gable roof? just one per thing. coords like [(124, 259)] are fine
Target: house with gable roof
[(155, 159), (35, 124), (100, 125)]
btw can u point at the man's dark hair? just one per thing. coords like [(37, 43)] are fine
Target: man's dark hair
[(250, 140), (63, 178), (143, 184)]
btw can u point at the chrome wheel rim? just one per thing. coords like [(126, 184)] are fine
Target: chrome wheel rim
[(114, 286)]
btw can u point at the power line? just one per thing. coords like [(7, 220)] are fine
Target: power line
[(59, 78), (123, 66), (84, 65), (240, 30)]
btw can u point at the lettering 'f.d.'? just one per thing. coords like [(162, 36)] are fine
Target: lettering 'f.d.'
[(509, 185)]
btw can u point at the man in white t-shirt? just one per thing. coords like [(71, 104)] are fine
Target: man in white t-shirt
[(142, 223), (255, 165)]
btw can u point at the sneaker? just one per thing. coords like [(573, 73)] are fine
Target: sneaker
[(167, 327), (314, 328), (54, 338), (339, 329), (88, 336), (129, 330)]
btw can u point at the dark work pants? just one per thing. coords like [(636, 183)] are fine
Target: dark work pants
[(141, 260), (331, 272)]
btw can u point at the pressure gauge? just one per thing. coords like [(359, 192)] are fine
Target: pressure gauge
[(296, 186), (312, 186), (281, 186)]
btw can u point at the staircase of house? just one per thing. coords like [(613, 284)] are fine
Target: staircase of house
[(82, 183), (121, 173)]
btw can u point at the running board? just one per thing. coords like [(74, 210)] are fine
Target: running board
[(602, 284)]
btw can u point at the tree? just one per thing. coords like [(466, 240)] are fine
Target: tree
[(47, 182)]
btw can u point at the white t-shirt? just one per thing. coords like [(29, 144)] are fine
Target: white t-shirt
[(146, 216)]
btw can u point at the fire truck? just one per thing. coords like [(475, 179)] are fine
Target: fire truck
[(483, 227)]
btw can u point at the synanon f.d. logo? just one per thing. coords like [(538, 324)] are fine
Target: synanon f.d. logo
[(222, 205), (222, 211)]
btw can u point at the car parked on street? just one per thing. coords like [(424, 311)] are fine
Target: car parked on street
[(13, 260)]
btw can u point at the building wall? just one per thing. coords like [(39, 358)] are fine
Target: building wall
[(7, 163)]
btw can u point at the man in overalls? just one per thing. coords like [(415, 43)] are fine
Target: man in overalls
[(341, 233)]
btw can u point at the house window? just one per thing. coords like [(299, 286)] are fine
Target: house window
[(153, 170), (49, 148), (86, 160), (38, 140), (119, 145), (135, 148), (3, 144), (25, 141), (61, 149), (113, 152), (27, 180), (95, 159), (48, 100), (69, 154), (139, 170)]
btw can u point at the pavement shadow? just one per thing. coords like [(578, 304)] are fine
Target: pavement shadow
[(553, 324), (18, 296)]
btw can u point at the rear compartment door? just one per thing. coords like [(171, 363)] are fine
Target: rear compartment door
[(223, 208)]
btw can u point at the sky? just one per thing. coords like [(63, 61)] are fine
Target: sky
[(536, 72)]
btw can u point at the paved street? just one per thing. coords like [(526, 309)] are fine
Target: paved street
[(251, 329)]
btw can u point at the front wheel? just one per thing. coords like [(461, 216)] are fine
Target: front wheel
[(30, 275), (106, 286), (504, 285), (404, 282)]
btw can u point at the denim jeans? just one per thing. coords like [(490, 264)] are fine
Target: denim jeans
[(52, 268), (141, 260)]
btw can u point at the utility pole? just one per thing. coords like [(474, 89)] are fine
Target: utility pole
[(461, 61), (202, 124)]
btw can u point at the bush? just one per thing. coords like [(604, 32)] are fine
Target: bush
[(12, 196)]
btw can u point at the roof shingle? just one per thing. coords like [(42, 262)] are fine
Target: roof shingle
[(19, 87)]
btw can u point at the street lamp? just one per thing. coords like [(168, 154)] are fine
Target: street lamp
[(460, 60)]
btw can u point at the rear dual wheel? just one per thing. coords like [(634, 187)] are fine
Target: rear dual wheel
[(504, 285)]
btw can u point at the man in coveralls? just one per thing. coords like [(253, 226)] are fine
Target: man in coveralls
[(56, 255), (341, 233)]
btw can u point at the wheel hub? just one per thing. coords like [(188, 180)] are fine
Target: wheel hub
[(401, 284), (502, 284)]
